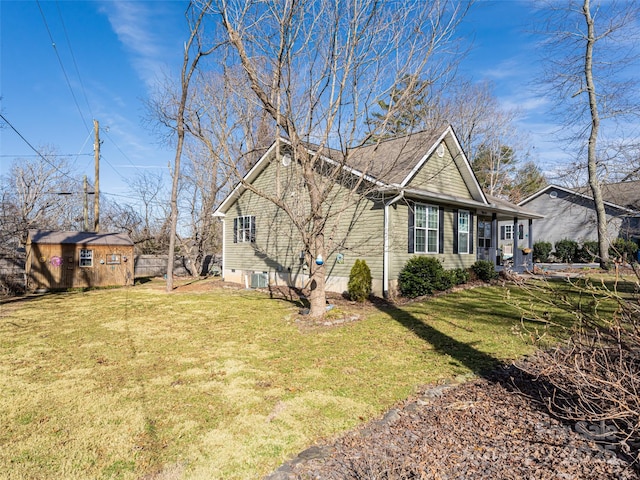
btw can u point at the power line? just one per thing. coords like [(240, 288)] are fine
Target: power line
[(35, 150), (55, 49), (73, 58), (48, 154)]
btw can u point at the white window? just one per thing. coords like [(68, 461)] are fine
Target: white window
[(508, 232), (86, 258), (244, 229), (463, 231), (426, 229)]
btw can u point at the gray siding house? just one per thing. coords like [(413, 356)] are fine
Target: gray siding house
[(571, 214), (429, 203)]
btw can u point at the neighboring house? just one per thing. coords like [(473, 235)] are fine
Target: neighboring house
[(570, 214), (430, 203), (61, 260)]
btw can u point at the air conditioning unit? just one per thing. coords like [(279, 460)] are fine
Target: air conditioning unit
[(259, 280)]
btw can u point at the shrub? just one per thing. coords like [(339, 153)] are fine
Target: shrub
[(589, 252), (624, 249), (423, 276), (484, 270), (541, 251), (359, 286), (566, 250), (590, 378), (459, 276)]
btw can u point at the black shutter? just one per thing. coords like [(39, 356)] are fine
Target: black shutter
[(502, 232), (235, 230), (410, 208), (455, 230), (253, 229), (471, 240), (440, 230)]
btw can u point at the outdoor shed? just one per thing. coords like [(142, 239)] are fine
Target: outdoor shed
[(61, 260)]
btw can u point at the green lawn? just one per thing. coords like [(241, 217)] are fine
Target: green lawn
[(216, 384)]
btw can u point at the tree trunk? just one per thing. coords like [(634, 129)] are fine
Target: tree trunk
[(317, 279), (601, 215)]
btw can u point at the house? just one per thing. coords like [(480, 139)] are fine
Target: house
[(428, 203), (570, 213), (61, 260)]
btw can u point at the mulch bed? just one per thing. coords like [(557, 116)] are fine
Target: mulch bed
[(480, 429)]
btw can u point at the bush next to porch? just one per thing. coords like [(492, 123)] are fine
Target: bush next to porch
[(541, 251), (425, 275), (484, 270), (566, 250)]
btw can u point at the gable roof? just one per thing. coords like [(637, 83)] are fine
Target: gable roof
[(584, 193), (390, 165), (78, 238), (624, 194)]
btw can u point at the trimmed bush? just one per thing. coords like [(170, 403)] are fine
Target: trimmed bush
[(459, 276), (484, 270), (624, 249), (359, 286), (589, 252), (423, 276), (541, 251), (566, 250)]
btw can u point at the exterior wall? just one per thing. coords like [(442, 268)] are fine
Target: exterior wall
[(399, 242), (55, 266), (441, 175), (355, 233), (568, 216)]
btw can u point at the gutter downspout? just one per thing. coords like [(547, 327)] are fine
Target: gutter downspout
[(221, 217), (385, 259)]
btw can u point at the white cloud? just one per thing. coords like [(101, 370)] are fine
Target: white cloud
[(143, 28)]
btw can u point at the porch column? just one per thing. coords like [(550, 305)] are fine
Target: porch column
[(517, 254), (493, 250), (530, 259)]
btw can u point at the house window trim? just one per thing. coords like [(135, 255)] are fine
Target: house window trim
[(86, 258), (427, 229), (464, 247), (244, 234), (508, 232)]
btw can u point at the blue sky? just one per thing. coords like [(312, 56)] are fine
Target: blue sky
[(113, 52)]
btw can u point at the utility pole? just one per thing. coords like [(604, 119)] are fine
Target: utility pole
[(85, 206), (96, 187)]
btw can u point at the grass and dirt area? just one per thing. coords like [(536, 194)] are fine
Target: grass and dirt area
[(213, 381)]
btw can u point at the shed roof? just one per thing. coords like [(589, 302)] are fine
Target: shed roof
[(79, 238)]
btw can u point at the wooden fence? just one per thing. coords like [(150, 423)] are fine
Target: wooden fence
[(12, 270)]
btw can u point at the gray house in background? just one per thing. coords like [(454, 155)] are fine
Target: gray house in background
[(571, 214)]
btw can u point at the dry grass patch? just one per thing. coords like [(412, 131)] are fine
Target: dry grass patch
[(215, 383)]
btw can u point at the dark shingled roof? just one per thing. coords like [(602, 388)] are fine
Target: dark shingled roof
[(624, 194), (79, 238), (390, 161)]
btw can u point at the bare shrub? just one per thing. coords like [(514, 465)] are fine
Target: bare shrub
[(592, 379)]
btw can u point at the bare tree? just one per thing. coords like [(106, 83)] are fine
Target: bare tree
[(589, 49), (318, 69), (193, 53), (148, 190), (39, 193)]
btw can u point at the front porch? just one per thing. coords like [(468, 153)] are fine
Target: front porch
[(514, 252)]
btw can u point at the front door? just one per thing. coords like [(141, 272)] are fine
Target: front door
[(484, 238)]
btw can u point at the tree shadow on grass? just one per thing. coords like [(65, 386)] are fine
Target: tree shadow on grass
[(465, 354)]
